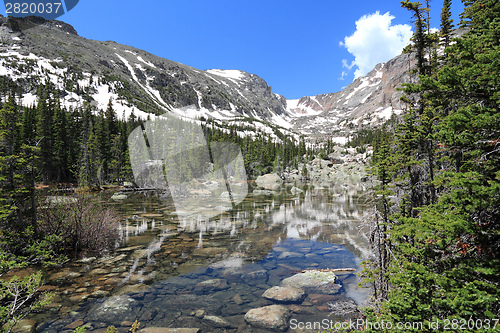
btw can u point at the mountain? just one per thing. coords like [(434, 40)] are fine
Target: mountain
[(367, 101), (35, 51)]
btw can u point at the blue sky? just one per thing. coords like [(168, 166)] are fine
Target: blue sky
[(298, 47)]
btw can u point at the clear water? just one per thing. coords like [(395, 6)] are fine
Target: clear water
[(155, 275)]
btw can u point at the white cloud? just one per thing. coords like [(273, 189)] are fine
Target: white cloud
[(375, 41)]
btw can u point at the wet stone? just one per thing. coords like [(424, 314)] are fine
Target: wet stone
[(64, 277), (86, 260), (273, 317), (238, 300), (148, 315), (99, 271), (219, 322), (280, 249), (199, 313), (131, 289), (25, 325), (211, 286), (231, 274), (74, 324), (209, 251), (231, 310), (284, 294), (256, 277), (99, 293), (79, 297), (114, 309), (290, 255), (313, 281), (300, 309)]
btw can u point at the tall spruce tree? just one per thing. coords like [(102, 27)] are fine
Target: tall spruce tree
[(44, 132), (446, 23)]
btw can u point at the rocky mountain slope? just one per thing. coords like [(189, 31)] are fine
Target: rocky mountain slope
[(34, 51), (367, 101)]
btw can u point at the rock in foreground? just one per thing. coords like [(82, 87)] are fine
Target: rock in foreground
[(284, 294), (273, 317), (315, 281)]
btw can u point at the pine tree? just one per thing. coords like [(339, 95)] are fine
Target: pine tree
[(44, 133), (446, 23), (11, 198), (60, 143), (28, 125)]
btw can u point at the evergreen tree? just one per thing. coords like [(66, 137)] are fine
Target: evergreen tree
[(12, 195), (60, 143), (44, 132), (29, 125), (446, 23)]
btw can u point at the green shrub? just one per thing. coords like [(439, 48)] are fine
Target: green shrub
[(18, 296)]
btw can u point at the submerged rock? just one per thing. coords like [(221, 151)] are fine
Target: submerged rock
[(273, 317), (290, 255), (219, 322), (63, 277), (256, 277), (209, 251), (25, 325), (211, 285), (114, 309)]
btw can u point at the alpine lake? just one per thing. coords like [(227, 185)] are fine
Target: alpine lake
[(206, 275)]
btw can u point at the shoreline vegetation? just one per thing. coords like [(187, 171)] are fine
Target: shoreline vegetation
[(435, 230)]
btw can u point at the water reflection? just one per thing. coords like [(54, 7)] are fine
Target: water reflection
[(164, 258)]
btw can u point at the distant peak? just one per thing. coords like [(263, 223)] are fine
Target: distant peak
[(23, 23)]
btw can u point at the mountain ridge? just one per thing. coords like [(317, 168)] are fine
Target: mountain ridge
[(82, 70)]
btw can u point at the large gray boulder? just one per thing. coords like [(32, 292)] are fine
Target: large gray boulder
[(272, 317), (313, 281), (270, 181), (284, 294)]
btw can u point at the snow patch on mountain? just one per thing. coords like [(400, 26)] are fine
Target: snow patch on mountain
[(146, 62), (296, 109), (232, 74), (153, 93)]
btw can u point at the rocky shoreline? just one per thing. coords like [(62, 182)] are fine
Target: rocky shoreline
[(342, 166)]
